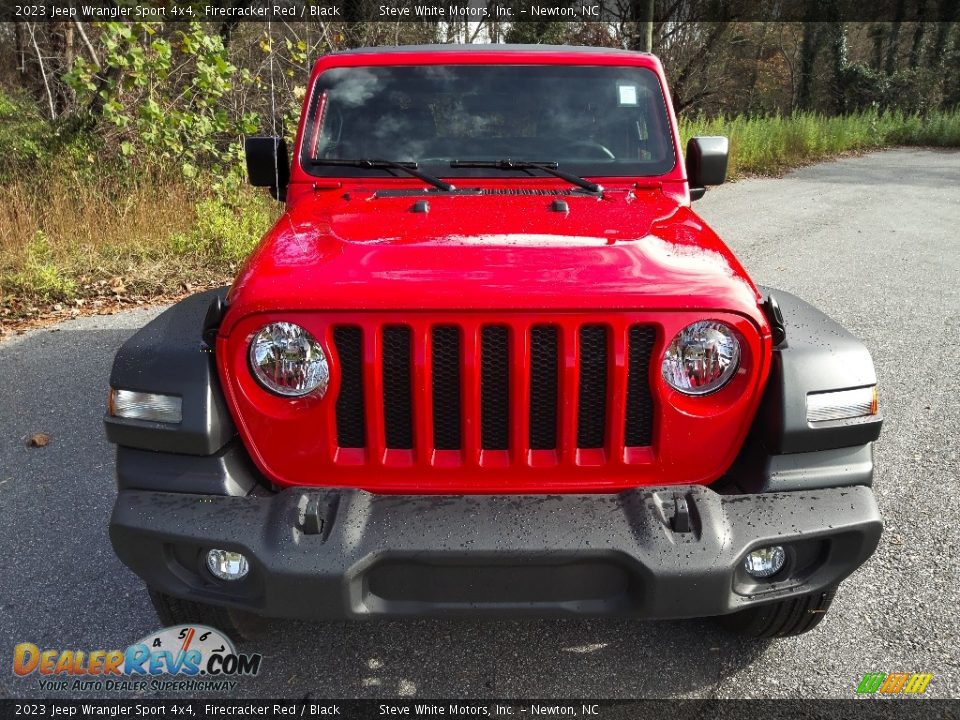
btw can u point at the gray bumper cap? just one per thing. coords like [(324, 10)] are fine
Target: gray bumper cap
[(669, 552)]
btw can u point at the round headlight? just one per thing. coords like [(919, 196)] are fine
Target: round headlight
[(702, 358), (287, 360)]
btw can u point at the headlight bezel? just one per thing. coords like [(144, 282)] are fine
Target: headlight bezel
[(320, 382), (728, 373)]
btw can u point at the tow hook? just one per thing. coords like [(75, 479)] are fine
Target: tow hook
[(672, 509), (680, 522), (311, 520)]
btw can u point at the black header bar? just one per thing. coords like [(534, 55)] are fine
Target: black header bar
[(865, 709), (436, 11)]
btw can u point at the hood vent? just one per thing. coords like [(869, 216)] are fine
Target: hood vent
[(523, 191), (417, 192)]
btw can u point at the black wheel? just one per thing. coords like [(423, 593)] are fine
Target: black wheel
[(780, 619), (238, 625)]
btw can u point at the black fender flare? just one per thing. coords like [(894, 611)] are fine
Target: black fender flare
[(169, 356), (783, 452), (818, 355)]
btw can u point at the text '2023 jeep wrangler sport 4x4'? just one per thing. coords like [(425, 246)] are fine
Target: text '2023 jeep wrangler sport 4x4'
[(490, 362)]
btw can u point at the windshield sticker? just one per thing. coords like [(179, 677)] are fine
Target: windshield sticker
[(628, 94)]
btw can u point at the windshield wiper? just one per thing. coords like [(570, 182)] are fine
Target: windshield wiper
[(548, 167), (408, 167)]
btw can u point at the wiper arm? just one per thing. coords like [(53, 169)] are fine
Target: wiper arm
[(408, 167), (548, 167)]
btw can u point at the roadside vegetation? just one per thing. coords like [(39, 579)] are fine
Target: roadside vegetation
[(76, 224), (121, 178), (771, 145)]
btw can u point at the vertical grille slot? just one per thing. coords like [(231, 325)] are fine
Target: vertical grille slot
[(592, 394), (639, 424), (350, 425), (397, 417), (494, 388), (446, 387), (543, 387)]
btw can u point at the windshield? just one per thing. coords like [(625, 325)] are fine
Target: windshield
[(591, 120)]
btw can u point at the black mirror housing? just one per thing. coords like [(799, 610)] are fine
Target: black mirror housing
[(268, 164), (706, 163)]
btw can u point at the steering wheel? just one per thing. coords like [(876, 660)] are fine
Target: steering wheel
[(600, 151)]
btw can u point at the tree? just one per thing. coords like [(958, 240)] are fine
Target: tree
[(893, 40), (810, 47), (642, 14)]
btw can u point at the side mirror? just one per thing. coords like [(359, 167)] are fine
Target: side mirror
[(267, 164), (706, 163)]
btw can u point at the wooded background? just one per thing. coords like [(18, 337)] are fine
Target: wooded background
[(121, 174), (181, 91)]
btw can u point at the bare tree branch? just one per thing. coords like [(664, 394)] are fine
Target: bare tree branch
[(86, 42), (43, 71)]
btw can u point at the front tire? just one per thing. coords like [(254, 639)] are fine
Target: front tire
[(783, 618), (238, 625)]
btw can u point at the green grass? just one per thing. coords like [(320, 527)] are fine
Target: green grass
[(770, 145)]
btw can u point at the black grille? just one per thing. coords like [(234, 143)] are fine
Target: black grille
[(494, 388), (639, 429), (350, 421), (592, 397), (543, 387), (449, 383), (446, 387), (398, 425)]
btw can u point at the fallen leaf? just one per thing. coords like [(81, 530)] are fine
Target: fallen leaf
[(39, 439)]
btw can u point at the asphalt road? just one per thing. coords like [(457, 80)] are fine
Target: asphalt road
[(872, 240)]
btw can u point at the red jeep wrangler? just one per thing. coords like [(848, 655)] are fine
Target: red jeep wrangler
[(490, 362)]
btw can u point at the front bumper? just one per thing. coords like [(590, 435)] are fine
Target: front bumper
[(329, 554)]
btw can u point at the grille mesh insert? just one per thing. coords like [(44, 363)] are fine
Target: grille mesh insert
[(543, 387), (350, 423), (639, 428), (446, 387), (592, 396), (398, 425), (494, 388)]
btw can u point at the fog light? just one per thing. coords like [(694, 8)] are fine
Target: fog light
[(227, 565), (145, 406), (765, 561)]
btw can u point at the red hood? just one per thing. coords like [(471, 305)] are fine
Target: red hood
[(352, 250)]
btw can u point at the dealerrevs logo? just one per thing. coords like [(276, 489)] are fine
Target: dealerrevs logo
[(182, 657)]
